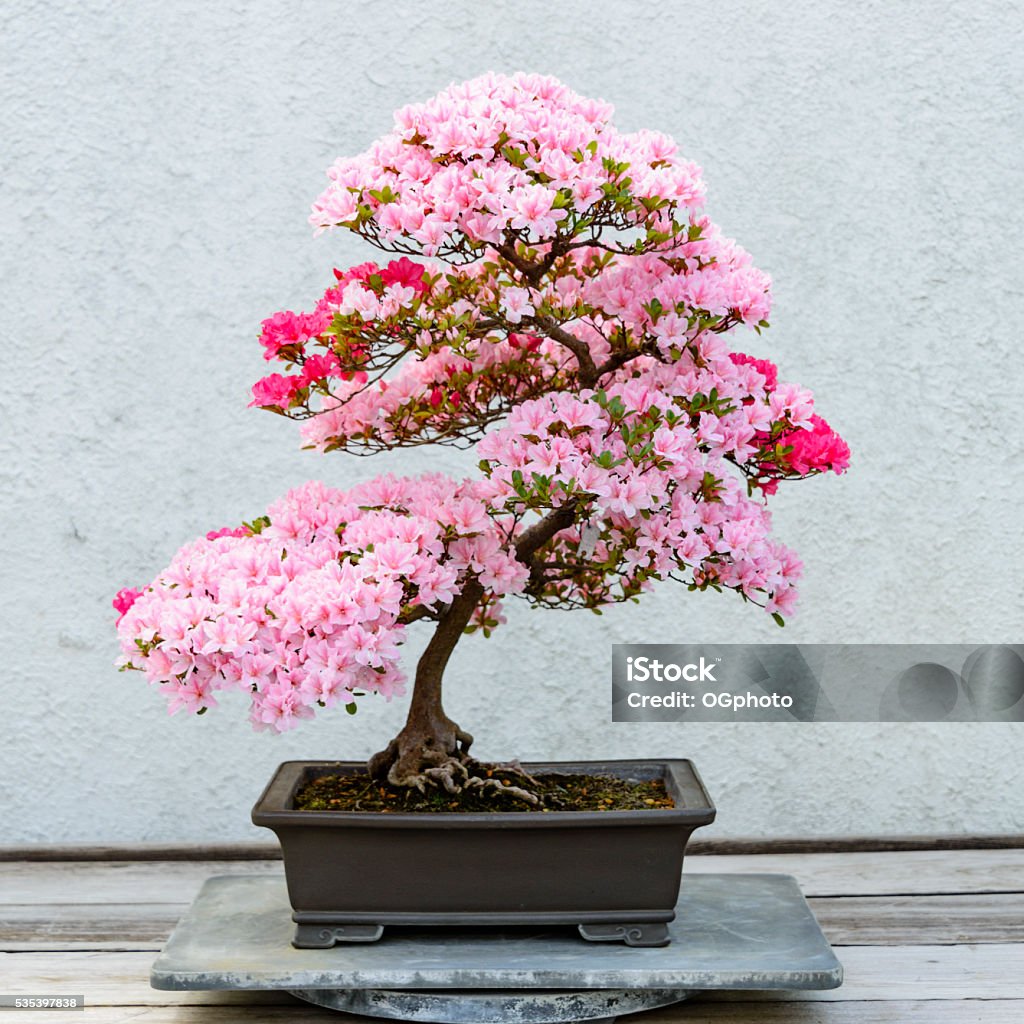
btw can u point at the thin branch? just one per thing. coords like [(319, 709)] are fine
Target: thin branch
[(421, 611)]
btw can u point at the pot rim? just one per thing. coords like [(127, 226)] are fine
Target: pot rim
[(680, 776)]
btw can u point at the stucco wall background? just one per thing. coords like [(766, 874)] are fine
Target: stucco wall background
[(158, 161)]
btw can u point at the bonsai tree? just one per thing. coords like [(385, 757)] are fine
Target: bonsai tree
[(554, 297)]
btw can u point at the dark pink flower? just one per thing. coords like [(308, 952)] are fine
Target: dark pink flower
[(819, 448), (284, 330), (319, 366), (227, 531), (361, 272), (405, 272), (765, 367), (124, 599), (274, 391)]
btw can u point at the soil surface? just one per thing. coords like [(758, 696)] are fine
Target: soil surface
[(556, 792)]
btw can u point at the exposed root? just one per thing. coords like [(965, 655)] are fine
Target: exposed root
[(452, 776), (515, 768), (495, 786), (439, 760)]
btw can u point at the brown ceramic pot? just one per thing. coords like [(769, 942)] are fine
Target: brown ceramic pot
[(614, 874)]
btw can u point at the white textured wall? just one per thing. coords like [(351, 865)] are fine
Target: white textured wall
[(158, 161)]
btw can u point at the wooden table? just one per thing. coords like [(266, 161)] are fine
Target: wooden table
[(930, 936)]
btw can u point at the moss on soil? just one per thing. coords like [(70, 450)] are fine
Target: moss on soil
[(556, 792)]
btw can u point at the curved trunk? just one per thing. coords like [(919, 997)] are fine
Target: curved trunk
[(431, 749), (429, 737)]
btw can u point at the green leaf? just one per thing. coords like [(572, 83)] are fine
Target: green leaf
[(779, 620), (258, 525), (351, 708), (514, 156)]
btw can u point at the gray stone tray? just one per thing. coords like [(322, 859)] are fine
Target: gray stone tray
[(730, 932)]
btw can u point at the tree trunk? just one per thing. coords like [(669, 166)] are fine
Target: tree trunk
[(431, 749), (430, 739)]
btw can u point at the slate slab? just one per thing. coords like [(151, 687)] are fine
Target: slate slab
[(730, 932)]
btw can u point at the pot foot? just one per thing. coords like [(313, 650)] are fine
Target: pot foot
[(649, 934), (318, 936)]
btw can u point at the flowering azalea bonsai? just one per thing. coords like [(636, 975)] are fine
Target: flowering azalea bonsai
[(555, 297)]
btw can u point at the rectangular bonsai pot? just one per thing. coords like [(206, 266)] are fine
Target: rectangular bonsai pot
[(615, 874)]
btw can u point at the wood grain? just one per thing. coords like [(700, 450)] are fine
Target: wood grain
[(699, 845), (927, 872), (692, 1012), (846, 921), (921, 920)]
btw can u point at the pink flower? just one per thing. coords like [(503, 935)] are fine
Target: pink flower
[(192, 695), (793, 403), (533, 211), (819, 448), (318, 367), (361, 272), (767, 369), (515, 304), (405, 272), (288, 330), (275, 391), (124, 599), (281, 706), (227, 531)]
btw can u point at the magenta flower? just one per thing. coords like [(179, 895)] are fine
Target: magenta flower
[(123, 601)]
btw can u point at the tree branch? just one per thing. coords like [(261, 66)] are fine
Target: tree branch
[(421, 611), (533, 272), (619, 359), (580, 349), (532, 539)]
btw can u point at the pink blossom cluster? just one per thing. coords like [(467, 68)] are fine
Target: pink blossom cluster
[(353, 382), (371, 292), (654, 496), (362, 389), (817, 448), (664, 298), (521, 154), (310, 611)]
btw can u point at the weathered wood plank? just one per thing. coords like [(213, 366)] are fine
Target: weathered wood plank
[(106, 926), (73, 882), (919, 920), (926, 872), (704, 1011), (927, 973), (829, 874), (847, 921), (694, 1012), (699, 845), (886, 973)]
